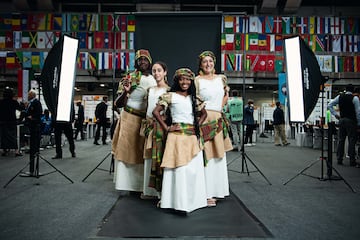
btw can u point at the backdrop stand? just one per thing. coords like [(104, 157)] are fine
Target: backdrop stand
[(322, 158), (244, 156), (37, 172)]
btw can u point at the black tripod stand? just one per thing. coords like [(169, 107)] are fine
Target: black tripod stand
[(111, 170), (328, 159), (37, 173), (244, 159)]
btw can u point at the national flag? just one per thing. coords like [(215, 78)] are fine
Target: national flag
[(239, 41), (83, 22), (282, 88), (279, 63), (294, 25), (270, 38), (336, 43), (9, 39), (49, 40), (19, 57), (320, 43), (65, 22), (41, 36), (229, 42), (223, 62), (132, 61), (277, 25), (117, 64), (302, 24), (41, 21), (327, 26), (252, 40), (98, 39), (286, 25), (356, 63), (308, 39), (261, 63), (230, 62), (238, 62), (100, 61), (262, 42), (10, 60), (2, 60), (228, 24), (16, 22), (22, 80), (35, 60), (348, 64), (117, 40), (123, 40), (23, 22), (57, 24), (320, 25), (6, 21), (328, 63), (352, 25), (17, 39), (106, 22), (255, 25), (93, 23), (109, 60), (90, 40), (82, 39), (92, 60), (125, 57), (33, 39), (270, 63), (26, 61), (223, 41), (123, 27), (131, 23), (131, 40), (278, 43), (74, 26), (238, 24), (2, 40), (108, 40), (43, 56), (311, 25), (117, 22), (245, 24), (254, 63), (269, 24)]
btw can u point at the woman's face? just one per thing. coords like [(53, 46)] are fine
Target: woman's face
[(158, 72), (184, 83), (207, 65)]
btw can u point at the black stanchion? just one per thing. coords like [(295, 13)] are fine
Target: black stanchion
[(111, 169)]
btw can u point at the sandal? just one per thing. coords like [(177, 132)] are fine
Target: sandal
[(211, 202), (158, 205)]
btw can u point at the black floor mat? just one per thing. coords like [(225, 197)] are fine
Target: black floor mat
[(134, 217)]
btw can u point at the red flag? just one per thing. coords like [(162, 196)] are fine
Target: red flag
[(99, 40), (9, 41), (261, 63), (270, 63)]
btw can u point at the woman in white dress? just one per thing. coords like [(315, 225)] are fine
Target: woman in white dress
[(213, 89), (154, 137), (128, 143), (183, 186)]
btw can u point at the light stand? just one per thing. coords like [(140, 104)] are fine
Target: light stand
[(244, 156), (328, 159), (37, 172)]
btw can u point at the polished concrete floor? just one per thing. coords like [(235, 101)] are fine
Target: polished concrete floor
[(306, 207)]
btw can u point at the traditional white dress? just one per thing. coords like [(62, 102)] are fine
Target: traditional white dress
[(183, 186), (152, 98), (128, 143), (216, 172)]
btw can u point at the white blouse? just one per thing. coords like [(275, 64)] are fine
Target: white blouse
[(153, 98), (137, 98), (212, 92)]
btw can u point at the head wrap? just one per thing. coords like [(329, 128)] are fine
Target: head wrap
[(185, 72), (143, 53), (207, 54)]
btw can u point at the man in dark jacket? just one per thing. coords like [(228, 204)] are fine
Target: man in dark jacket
[(101, 121), (79, 122), (279, 126)]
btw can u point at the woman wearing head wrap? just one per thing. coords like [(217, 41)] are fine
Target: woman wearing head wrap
[(128, 143), (154, 135), (183, 185), (213, 89)]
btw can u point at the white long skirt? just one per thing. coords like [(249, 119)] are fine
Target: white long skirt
[(183, 188), (129, 177), (148, 191), (216, 177)]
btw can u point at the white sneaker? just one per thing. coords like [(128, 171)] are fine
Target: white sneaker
[(248, 145), (254, 144)]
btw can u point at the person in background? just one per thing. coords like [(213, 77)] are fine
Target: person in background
[(279, 125), (79, 122), (154, 136), (235, 105), (249, 122), (213, 89), (33, 121), (46, 128), (349, 122), (67, 129), (128, 143), (101, 121), (8, 122), (183, 185)]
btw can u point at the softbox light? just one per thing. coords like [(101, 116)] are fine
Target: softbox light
[(58, 77), (304, 78)]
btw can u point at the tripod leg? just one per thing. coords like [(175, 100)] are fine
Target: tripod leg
[(96, 167), (15, 176), (244, 163), (257, 169), (300, 172), (56, 169), (352, 189), (112, 164)]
